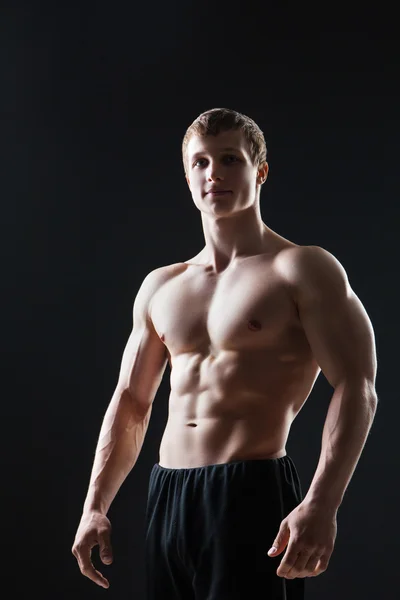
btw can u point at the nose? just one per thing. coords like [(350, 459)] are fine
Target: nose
[(214, 173)]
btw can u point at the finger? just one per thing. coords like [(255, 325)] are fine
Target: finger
[(87, 568), (281, 540), (106, 553), (312, 564), (287, 563), (299, 567), (322, 565)]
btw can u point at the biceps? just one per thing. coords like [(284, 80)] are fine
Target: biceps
[(142, 366), (341, 337)]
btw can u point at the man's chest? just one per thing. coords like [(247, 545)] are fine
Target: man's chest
[(246, 308)]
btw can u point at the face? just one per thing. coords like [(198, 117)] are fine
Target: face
[(222, 161)]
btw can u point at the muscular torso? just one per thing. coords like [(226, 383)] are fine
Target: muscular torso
[(241, 366)]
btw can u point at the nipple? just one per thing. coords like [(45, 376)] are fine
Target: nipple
[(254, 325)]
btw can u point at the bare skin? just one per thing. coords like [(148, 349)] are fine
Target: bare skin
[(241, 366), (246, 325)]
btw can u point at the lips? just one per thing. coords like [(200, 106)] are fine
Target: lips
[(214, 192)]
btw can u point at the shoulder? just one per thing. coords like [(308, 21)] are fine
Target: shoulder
[(160, 275), (152, 282), (308, 257), (311, 268), (157, 277)]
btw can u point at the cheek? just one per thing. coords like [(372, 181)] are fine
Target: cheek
[(244, 175), (245, 181)]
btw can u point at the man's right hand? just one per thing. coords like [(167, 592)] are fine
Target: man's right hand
[(94, 529)]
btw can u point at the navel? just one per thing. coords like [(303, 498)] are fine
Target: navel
[(254, 325)]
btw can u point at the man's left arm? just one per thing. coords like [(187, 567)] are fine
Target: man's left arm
[(342, 341)]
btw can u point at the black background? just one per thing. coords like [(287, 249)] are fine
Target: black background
[(95, 100)]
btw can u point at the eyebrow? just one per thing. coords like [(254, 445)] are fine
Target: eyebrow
[(222, 150)]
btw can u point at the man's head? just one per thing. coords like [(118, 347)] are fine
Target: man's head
[(242, 168)]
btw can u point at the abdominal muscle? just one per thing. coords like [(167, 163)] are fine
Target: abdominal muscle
[(227, 418), (204, 441)]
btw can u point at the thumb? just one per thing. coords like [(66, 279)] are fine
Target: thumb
[(105, 549), (281, 540)]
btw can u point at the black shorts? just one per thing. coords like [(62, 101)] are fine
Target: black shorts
[(208, 531)]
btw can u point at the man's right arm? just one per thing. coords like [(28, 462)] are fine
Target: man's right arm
[(125, 422), (127, 417)]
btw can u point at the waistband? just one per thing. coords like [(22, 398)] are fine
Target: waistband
[(213, 466)]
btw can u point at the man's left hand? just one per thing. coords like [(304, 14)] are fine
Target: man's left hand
[(310, 531)]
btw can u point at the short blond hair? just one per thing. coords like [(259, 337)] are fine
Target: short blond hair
[(216, 120)]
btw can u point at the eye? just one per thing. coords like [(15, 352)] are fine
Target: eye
[(226, 156), (197, 161)]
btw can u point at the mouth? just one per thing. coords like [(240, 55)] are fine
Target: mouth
[(220, 192)]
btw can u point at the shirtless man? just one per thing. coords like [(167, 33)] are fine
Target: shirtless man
[(246, 326)]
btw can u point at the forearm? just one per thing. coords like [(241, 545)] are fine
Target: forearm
[(348, 422), (120, 442)]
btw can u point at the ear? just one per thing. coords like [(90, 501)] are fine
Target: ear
[(263, 171), (188, 182)]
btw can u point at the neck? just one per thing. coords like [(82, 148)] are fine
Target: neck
[(232, 237)]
